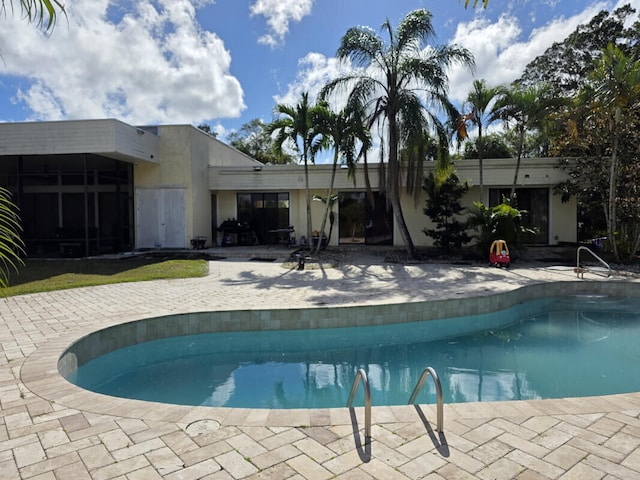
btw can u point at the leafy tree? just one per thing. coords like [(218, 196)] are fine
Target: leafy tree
[(254, 139), (443, 206), (615, 93), (11, 245), (494, 146), (294, 125), (207, 129), (393, 80), (482, 106), (566, 65)]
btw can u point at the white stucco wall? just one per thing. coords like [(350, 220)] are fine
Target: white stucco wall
[(498, 173)]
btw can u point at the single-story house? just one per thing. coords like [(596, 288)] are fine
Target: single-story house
[(87, 187)]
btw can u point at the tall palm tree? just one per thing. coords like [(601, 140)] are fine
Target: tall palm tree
[(527, 109), (615, 89), (482, 106), (394, 80), (295, 125)]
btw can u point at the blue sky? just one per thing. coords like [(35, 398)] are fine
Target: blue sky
[(225, 62)]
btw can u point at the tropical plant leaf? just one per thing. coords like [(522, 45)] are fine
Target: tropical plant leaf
[(11, 245)]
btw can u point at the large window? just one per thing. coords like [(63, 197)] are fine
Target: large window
[(359, 222), (265, 213), (534, 202)]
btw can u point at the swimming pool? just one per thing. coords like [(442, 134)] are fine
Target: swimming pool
[(547, 348)]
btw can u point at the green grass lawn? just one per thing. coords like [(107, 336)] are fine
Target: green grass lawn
[(39, 275)]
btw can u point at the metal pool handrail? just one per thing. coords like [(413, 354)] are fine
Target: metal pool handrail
[(580, 270), (361, 374), (436, 380)]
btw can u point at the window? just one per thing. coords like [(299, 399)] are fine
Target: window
[(361, 223), (264, 213)]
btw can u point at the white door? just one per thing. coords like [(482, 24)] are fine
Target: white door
[(160, 218)]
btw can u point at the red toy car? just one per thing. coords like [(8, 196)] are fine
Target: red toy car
[(499, 254)]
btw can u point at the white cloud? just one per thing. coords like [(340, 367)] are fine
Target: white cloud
[(153, 65), (501, 54), (314, 71), (279, 14)]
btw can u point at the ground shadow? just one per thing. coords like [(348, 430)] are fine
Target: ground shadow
[(364, 452), (439, 439)]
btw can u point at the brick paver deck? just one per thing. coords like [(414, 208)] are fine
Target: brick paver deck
[(48, 431)]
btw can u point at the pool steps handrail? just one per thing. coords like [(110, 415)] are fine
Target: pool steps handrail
[(361, 374), (580, 270), (436, 380)]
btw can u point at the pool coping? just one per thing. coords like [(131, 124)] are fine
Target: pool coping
[(40, 374)]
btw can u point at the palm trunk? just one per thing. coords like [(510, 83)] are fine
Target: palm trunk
[(308, 193), (512, 194), (328, 206), (394, 184), (367, 182), (480, 158), (613, 172)]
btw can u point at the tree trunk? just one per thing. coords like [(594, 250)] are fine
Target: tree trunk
[(394, 184), (613, 186), (306, 183), (480, 159), (512, 194), (329, 204)]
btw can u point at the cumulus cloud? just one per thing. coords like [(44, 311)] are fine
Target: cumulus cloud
[(500, 49), (314, 72), (279, 14), (500, 52), (152, 64)]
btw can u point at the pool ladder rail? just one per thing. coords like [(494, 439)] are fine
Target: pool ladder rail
[(362, 375), (580, 269)]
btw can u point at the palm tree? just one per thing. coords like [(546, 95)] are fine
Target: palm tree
[(528, 109), (615, 89), (481, 104), (295, 125), (393, 81), (11, 245), (342, 131)]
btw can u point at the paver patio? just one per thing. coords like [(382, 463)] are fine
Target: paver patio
[(49, 430)]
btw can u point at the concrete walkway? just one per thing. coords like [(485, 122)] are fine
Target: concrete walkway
[(50, 431)]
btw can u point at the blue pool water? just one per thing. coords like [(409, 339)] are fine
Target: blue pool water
[(551, 348)]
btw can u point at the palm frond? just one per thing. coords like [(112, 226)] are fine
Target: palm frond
[(414, 30), (11, 245), (361, 45)]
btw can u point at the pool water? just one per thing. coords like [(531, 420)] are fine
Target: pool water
[(551, 348)]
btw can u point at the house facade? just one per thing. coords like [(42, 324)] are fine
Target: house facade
[(89, 187)]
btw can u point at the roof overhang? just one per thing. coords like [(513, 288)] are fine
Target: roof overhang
[(108, 137)]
